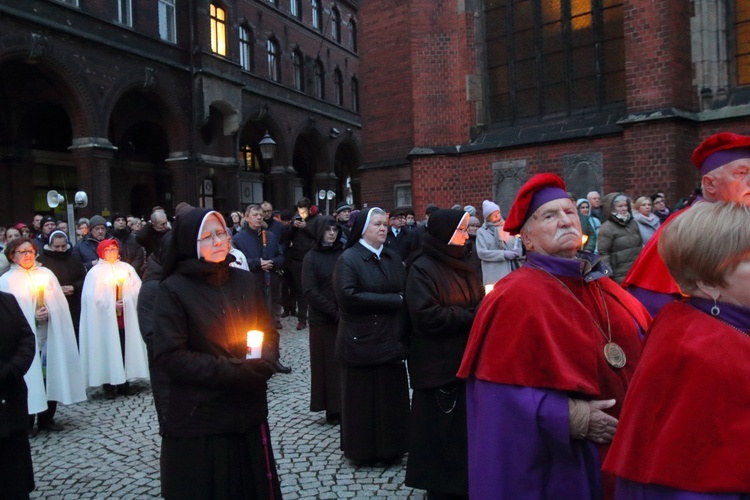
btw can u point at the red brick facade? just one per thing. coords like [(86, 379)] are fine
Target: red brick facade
[(422, 117)]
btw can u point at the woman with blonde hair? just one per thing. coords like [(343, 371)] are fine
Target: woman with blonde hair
[(648, 221), (685, 420)]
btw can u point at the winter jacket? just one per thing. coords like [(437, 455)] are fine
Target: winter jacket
[(131, 251), (619, 241), (68, 270), (648, 226), (443, 292), (369, 293), (317, 278), (491, 251), (86, 250)]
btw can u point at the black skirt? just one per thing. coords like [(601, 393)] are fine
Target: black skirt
[(17, 471), (325, 370), (374, 412), (226, 466), (438, 446)]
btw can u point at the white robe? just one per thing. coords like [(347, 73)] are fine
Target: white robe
[(101, 353), (64, 372)]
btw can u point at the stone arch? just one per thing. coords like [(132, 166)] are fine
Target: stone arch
[(346, 168), (310, 157)]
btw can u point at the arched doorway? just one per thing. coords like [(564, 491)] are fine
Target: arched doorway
[(345, 167)]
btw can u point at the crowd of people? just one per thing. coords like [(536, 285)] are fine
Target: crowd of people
[(578, 348)]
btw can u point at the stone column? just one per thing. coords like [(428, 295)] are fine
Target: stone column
[(93, 158)]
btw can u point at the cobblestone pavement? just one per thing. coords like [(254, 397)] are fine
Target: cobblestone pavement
[(110, 449)]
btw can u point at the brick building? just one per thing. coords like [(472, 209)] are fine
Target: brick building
[(466, 99), (154, 102)]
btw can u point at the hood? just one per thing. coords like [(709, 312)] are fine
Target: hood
[(183, 244), (323, 224), (608, 203)]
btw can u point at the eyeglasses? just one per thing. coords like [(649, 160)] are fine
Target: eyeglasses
[(219, 234), (26, 252)]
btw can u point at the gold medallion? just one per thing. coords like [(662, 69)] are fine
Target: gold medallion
[(614, 355)]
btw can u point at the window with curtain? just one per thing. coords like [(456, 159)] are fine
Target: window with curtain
[(320, 88), (246, 48), (274, 71), (299, 74), (167, 27), (125, 12), (336, 25), (218, 30), (338, 87), (553, 57), (315, 4)]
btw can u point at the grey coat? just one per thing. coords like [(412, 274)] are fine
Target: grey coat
[(490, 249)]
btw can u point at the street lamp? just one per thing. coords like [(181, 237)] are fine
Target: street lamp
[(267, 148)]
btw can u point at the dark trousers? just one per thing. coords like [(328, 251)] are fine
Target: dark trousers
[(294, 269)]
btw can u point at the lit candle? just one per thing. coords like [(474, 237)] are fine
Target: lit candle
[(488, 289), (584, 239), (41, 281), (254, 344)]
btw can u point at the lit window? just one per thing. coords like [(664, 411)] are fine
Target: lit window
[(299, 76), (320, 88), (218, 30), (355, 95), (125, 12), (295, 8), (274, 72), (315, 14), (167, 29), (353, 32), (338, 87), (246, 49), (247, 159), (336, 25), (743, 42)]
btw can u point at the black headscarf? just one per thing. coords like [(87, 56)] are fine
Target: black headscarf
[(359, 225), (443, 223), (183, 245), (440, 230)]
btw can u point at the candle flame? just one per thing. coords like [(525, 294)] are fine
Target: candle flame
[(121, 276), (41, 281), (584, 239), (488, 289)]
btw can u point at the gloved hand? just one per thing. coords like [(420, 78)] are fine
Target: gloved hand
[(588, 421), (509, 255), (255, 372)]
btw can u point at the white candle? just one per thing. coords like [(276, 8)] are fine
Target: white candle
[(41, 281), (254, 344)]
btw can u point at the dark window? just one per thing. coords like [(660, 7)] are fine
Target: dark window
[(353, 32), (355, 95), (338, 87), (320, 87), (299, 70), (742, 28), (274, 71), (295, 9), (554, 57)]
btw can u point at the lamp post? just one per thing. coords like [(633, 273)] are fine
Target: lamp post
[(267, 148)]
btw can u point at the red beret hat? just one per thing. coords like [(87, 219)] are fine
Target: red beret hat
[(548, 187), (104, 244), (720, 149)]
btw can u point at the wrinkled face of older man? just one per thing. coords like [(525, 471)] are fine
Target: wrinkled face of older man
[(554, 229), (730, 182)]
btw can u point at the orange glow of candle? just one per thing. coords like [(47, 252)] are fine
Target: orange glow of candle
[(488, 289), (120, 277), (584, 239), (254, 344), (41, 281)]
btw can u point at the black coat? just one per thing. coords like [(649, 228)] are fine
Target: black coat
[(442, 296), (202, 314), (130, 250), (317, 284), (369, 293), (400, 244), (68, 270), (17, 344)]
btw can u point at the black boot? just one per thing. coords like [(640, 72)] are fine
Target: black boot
[(281, 368)]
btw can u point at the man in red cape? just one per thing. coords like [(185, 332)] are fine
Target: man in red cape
[(548, 361), (724, 162)]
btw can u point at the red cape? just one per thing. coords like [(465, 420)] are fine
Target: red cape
[(649, 271), (686, 419), (531, 332)]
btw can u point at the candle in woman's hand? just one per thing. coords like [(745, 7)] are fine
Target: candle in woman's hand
[(40, 281), (254, 344)]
